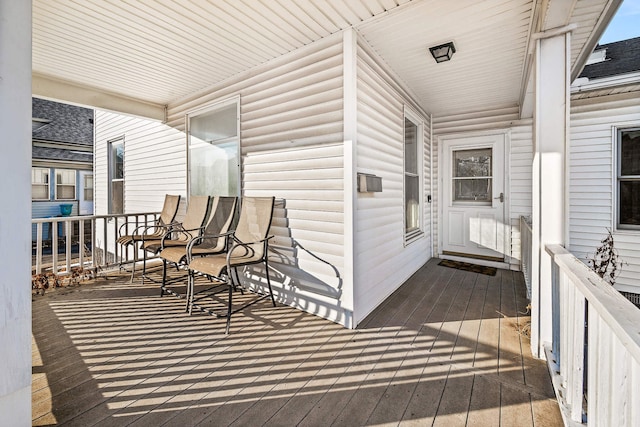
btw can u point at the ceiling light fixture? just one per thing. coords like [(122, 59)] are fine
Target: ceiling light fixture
[(443, 52)]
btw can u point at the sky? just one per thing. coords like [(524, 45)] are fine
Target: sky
[(625, 24)]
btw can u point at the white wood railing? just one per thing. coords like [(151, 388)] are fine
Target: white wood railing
[(94, 236), (595, 354), (526, 252)]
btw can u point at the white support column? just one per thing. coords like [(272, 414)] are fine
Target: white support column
[(350, 48), (551, 136), (15, 213)]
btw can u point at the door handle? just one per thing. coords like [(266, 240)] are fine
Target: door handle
[(501, 197)]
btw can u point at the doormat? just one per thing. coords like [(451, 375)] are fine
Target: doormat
[(466, 266)]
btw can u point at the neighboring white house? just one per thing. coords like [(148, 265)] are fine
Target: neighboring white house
[(605, 158)]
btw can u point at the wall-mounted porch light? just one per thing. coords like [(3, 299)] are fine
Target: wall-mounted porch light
[(443, 52)]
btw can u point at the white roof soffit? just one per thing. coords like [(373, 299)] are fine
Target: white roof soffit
[(587, 21), (138, 56)]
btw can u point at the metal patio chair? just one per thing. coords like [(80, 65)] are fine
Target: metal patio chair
[(248, 245), (151, 230), (223, 210), (178, 234)]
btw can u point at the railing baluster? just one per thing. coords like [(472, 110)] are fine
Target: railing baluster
[(67, 245), (39, 248), (54, 246), (81, 243)]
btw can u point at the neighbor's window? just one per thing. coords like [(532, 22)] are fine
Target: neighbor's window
[(116, 176), (88, 188), (628, 180), (40, 183), (214, 145), (65, 184), (412, 176)]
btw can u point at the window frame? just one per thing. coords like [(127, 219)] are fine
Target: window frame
[(618, 178), (111, 164), (417, 232), (206, 109), (75, 184), (48, 183)]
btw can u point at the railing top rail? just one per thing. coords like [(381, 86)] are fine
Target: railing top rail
[(526, 221), (619, 313), (89, 217)]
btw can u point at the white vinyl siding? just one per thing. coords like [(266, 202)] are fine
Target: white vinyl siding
[(155, 161), (382, 262), (291, 140), (592, 182)]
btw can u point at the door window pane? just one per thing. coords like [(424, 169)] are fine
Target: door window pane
[(214, 165), (472, 179)]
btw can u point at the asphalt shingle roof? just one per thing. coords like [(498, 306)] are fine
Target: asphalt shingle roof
[(621, 58), (47, 153)]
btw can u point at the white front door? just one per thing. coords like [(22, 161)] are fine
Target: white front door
[(473, 197)]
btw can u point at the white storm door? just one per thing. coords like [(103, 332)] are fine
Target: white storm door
[(473, 197)]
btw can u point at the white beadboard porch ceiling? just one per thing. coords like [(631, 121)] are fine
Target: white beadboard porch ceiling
[(160, 51)]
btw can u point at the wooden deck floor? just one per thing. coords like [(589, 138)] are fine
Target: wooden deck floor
[(444, 350)]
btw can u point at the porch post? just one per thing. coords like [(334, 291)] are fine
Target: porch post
[(551, 135), (15, 213)]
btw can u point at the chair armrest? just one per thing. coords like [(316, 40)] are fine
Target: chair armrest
[(198, 239), (247, 245)]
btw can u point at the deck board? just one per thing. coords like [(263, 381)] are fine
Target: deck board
[(447, 348)]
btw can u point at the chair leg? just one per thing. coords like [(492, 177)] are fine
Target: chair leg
[(236, 284), (266, 267), (135, 260), (144, 263), (164, 277), (229, 305), (190, 292)]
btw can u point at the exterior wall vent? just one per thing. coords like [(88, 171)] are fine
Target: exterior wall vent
[(368, 183)]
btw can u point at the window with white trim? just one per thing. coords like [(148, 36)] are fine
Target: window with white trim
[(412, 176), (65, 184), (214, 150), (40, 184), (628, 179), (116, 175)]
